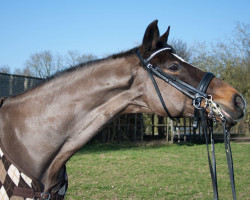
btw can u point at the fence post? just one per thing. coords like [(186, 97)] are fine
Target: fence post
[(135, 126), (167, 134), (178, 130), (153, 125), (190, 128), (141, 126), (185, 131), (172, 131)]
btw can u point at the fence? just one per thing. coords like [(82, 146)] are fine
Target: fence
[(11, 85), (144, 127)]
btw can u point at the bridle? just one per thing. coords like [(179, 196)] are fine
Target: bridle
[(197, 95)]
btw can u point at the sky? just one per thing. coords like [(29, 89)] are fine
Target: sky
[(109, 26)]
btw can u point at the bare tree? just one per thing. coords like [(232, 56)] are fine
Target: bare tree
[(242, 42), (74, 58), (229, 60), (5, 69), (181, 49), (43, 64), (23, 72)]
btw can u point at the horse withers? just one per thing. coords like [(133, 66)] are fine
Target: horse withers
[(42, 128)]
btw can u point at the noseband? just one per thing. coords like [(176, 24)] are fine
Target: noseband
[(197, 95)]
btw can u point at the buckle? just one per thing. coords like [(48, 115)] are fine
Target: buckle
[(45, 195), (197, 102)]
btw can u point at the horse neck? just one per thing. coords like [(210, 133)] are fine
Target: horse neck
[(59, 117)]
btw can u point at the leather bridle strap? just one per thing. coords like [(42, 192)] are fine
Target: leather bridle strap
[(212, 167), (229, 158), (190, 91), (199, 115), (159, 95), (153, 80), (196, 94), (203, 85)]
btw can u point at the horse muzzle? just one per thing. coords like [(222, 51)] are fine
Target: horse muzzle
[(235, 111)]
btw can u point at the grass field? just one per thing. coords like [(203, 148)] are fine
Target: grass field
[(155, 172)]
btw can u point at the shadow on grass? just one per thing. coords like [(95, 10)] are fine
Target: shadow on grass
[(101, 148)]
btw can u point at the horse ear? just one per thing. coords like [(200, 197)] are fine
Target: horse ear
[(151, 36), (164, 37)]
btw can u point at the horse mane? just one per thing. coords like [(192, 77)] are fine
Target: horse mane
[(90, 63), (122, 54), (73, 68), (79, 66)]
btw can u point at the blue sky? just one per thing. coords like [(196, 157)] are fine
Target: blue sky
[(108, 26)]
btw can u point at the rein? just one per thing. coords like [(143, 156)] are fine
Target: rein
[(197, 95)]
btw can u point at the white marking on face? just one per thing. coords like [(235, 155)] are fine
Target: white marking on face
[(179, 58)]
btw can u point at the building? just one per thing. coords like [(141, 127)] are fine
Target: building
[(15, 84)]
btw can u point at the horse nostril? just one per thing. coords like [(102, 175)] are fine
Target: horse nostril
[(239, 102)]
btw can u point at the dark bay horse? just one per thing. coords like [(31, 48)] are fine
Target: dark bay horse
[(42, 128)]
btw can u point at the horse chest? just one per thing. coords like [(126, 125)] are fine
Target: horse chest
[(11, 177), (15, 185)]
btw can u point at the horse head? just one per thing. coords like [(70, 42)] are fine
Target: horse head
[(225, 97)]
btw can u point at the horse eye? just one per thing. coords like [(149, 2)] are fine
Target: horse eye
[(174, 67)]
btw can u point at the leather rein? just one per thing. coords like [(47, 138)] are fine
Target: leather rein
[(197, 95)]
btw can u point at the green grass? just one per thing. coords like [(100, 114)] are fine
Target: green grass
[(155, 172)]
